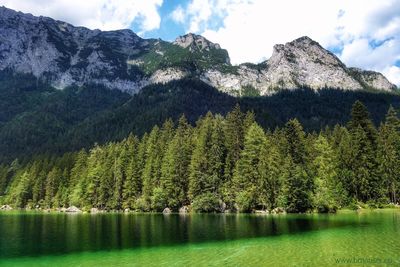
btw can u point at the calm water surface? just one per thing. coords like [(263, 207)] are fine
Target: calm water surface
[(344, 239)]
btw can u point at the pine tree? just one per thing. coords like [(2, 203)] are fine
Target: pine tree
[(216, 157), (299, 183), (364, 165), (329, 194), (200, 165), (295, 142), (298, 194), (207, 163), (364, 140), (132, 184), (360, 118), (52, 186), (3, 178), (21, 193), (272, 173), (234, 141), (175, 168), (247, 176), (151, 171), (78, 177), (388, 154), (94, 175)]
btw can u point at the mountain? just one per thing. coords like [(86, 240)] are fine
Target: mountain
[(62, 55), (55, 82)]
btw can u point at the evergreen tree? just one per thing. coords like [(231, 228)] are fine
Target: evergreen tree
[(175, 168), (78, 179), (247, 177), (234, 141), (220, 161), (52, 185), (300, 183), (132, 184), (200, 165), (295, 142), (206, 171), (329, 194), (360, 118), (363, 133), (298, 194), (152, 168), (94, 175), (388, 154), (272, 173)]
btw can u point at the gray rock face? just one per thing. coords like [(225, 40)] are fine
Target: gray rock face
[(297, 64), (64, 55), (304, 62), (195, 42), (372, 79)]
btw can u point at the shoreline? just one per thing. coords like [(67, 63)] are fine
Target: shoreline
[(55, 211)]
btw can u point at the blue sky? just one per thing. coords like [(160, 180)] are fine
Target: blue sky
[(362, 33), (168, 29)]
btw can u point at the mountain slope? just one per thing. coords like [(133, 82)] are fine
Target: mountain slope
[(46, 120), (62, 55)]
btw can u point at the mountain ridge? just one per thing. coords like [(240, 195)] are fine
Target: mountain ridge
[(63, 55)]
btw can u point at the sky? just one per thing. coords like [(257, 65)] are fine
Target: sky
[(362, 33)]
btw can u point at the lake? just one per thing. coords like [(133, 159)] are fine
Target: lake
[(57, 239)]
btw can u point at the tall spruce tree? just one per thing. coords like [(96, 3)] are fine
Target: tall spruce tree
[(272, 174), (329, 193), (299, 183), (132, 184), (247, 178), (234, 140), (363, 133), (388, 154), (175, 168)]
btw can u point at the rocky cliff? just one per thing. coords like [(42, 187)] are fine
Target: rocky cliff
[(64, 55)]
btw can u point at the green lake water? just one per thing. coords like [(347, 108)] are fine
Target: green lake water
[(368, 238)]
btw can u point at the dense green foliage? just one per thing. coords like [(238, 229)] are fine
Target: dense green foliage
[(220, 163), (37, 119), (166, 55)]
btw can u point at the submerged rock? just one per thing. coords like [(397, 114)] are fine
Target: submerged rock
[(222, 206), (278, 210), (73, 209), (94, 210), (167, 211), (184, 209), (6, 207), (261, 211)]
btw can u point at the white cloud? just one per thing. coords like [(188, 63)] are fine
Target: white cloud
[(393, 74), (200, 11), (100, 14), (360, 53), (178, 15), (250, 28)]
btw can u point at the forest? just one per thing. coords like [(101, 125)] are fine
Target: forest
[(37, 119), (219, 164)]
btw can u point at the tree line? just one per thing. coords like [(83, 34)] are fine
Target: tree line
[(220, 163)]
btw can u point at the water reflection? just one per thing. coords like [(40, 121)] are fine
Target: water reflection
[(30, 234)]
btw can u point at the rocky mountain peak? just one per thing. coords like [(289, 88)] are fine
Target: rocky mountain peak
[(305, 49), (62, 55), (195, 42)]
